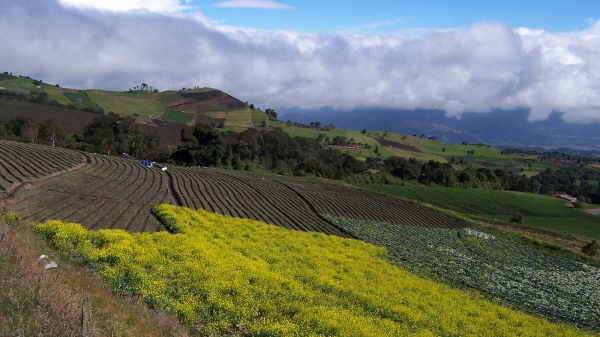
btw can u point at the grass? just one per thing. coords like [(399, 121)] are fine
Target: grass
[(240, 118), (149, 103), (258, 117), (179, 116), (81, 100), (38, 302), (24, 85), (540, 211)]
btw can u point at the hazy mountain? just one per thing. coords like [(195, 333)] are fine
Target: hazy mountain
[(499, 128)]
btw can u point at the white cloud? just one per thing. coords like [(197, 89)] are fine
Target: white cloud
[(264, 4), (466, 70), (165, 6)]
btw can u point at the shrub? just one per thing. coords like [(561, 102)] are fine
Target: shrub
[(517, 217), (591, 248)]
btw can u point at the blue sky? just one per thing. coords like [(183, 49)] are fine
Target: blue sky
[(390, 16), (457, 56)]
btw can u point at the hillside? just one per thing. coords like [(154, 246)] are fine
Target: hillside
[(168, 111), (103, 192)]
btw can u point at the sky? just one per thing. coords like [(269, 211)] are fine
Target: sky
[(457, 56)]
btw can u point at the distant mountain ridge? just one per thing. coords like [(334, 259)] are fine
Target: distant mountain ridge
[(498, 128)]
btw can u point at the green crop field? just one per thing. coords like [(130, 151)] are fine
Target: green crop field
[(179, 116), (524, 276), (81, 100), (540, 211), (148, 103)]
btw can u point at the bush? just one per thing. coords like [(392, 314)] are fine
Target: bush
[(591, 248), (517, 217), (578, 205)]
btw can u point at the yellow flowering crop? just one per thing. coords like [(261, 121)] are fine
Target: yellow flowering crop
[(226, 272)]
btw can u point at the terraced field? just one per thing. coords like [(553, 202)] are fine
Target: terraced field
[(107, 193), (111, 192), (21, 163)]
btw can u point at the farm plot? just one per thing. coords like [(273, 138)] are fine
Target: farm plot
[(74, 120), (363, 205), (489, 202), (20, 163), (246, 197), (80, 99), (107, 193), (551, 286)]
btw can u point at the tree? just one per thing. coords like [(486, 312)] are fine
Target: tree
[(443, 149), (317, 124), (376, 149), (53, 132), (363, 131), (204, 143), (272, 114)]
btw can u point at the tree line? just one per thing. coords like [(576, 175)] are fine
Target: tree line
[(276, 151)]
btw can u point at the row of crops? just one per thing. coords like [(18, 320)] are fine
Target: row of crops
[(293, 205), (111, 192), (107, 193), (246, 197), (21, 163), (547, 285), (480, 201)]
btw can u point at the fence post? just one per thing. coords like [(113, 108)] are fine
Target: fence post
[(86, 317)]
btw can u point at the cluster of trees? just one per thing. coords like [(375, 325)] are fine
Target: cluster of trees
[(117, 134), (204, 145), (570, 180), (24, 129)]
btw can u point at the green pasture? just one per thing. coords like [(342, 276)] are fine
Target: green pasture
[(258, 117), (179, 116), (480, 201), (540, 211), (24, 85), (126, 103)]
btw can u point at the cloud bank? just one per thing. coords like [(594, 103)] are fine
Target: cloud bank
[(263, 4), (464, 70)]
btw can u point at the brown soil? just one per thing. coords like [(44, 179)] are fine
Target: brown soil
[(171, 132), (232, 102), (399, 146), (208, 106), (74, 120), (205, 119), (204, 96)]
